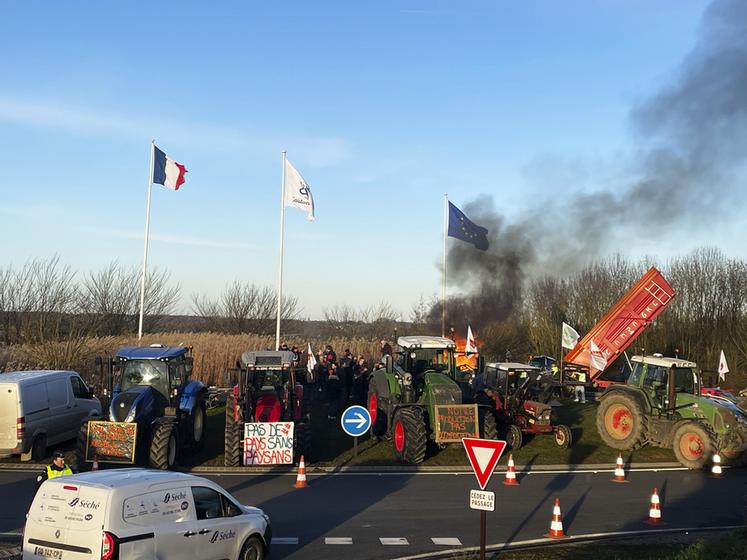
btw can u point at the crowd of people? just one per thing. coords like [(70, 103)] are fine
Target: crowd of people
[(336, 380)]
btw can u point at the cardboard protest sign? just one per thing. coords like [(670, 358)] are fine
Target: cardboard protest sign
[(268, 443)]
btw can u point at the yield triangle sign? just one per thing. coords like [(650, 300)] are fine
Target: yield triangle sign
[(483, 455)]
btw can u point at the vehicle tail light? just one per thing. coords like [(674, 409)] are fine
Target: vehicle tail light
[(108, 546), (73, 488), (20, 427)]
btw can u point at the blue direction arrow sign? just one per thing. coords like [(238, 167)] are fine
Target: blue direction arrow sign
[(355, 421)]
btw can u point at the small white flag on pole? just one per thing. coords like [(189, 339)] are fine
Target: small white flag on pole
[(723, 368), (310, 360), (597, 361), (297, 192), (570, 337), (471, 346)]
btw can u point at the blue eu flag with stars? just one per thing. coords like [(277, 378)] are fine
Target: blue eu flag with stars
[(461, 227)]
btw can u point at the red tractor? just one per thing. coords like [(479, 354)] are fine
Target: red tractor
[(267, 391), (516, 392)]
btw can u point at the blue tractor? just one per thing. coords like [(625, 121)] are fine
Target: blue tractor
[(150, 386)]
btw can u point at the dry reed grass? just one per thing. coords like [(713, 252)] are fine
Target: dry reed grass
[(214, 353)]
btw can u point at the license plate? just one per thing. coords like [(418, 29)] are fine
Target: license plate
[(47, 552)]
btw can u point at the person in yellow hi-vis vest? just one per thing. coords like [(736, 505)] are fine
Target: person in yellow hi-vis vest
[(580, 390), (57, 468)]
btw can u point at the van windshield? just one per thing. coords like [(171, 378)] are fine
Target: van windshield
[(146, 372)]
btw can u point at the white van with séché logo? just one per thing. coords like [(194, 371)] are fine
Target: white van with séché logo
[(142, 514)]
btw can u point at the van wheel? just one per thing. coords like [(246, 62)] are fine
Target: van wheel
[(163, 447), (253, 549), (39, 448)]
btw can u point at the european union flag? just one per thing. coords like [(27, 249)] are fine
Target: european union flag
[(461, 227)]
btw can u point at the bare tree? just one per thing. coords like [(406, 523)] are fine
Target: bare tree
[(244, 308)]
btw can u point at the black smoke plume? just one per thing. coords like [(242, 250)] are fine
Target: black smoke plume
[(691, 145)]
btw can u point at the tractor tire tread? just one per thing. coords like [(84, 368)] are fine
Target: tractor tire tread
[(416, 437), (159, 446), (232, 454)]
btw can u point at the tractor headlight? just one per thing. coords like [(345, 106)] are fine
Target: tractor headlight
[(407, 379), (131, 415)]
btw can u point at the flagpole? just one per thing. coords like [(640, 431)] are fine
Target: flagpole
[(443, 267), (280, 264), (147, 233)]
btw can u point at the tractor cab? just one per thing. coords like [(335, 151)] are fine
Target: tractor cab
[(152, 377), (669, 383), (268, 382), (418, 358), (513, 381)]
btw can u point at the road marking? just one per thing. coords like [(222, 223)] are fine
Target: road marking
[(284, 540), (591, 537), (338, 540), (446, 541), (396, 541)]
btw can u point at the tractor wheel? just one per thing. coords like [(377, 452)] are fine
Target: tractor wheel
[(693, 444), (731, 454), (199, 424), (408, 435), (301, 441), (80, 449), (163, 447), (563, 436), (377, 408), (233, 435), (488, 427), (620, 422), (514, 437)]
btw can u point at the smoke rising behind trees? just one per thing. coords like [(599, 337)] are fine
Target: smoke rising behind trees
[(686, 174)]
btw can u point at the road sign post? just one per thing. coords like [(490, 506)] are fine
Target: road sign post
[(483, 455), (355, 421)]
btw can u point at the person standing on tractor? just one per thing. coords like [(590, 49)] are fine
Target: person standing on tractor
[(58, 467)]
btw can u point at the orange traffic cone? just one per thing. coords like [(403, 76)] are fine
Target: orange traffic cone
[(511, 479), (556, 525), (619, 470), (654, 512), (716, 468), (95, 465), (301, 477)]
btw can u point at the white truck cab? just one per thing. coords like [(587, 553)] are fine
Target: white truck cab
[(141, 514)]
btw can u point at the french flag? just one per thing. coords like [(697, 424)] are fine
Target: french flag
[(166, 171)]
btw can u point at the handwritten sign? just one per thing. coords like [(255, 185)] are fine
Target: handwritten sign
[(456, 421), (111, 442), (268, 443)]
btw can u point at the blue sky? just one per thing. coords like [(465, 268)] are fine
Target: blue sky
[(382, 106)]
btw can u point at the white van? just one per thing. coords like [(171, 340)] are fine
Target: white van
[(142, 514), (40, 409)]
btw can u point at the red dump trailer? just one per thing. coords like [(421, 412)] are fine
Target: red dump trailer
[(622, 324)]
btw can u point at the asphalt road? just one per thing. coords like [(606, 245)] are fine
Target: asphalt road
[(413, 509)]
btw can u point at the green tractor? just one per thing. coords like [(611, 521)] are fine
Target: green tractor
[(661, 405), (403, 395)]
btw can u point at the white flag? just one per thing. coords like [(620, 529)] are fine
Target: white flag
[(298, 192), (570, 337), (471, 346), (310, 360), (598, 361), (723, 368)]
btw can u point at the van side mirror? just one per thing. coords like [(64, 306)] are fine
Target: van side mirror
[(389, 363)]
